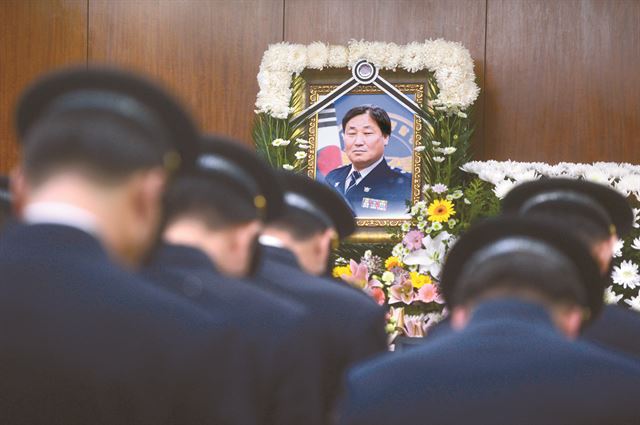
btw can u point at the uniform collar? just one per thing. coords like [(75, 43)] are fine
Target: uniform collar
[(509, 310), (182, 256), (280, 255), (63, 214), (366, 171)]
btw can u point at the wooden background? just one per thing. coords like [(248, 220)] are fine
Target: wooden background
[(560, 79)]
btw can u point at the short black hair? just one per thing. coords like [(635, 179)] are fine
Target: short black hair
[(554, 282), (106, 145), (378, 114), (299, 224), (218, 204), (587, 229)]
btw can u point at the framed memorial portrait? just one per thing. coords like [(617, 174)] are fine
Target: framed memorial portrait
[(390, 180)]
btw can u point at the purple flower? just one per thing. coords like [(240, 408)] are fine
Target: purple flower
[(413, 240), (439, 188)]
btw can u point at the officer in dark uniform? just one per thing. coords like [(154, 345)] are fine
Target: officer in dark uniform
[(369, 185), (213, 217), (520, 290), (600, 216), (84, 341), (294, 253)]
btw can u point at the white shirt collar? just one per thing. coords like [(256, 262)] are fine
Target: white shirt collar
[(365, 171), (60, 213), (269, 240)]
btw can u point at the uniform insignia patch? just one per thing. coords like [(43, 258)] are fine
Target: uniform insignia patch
[(374, 204)]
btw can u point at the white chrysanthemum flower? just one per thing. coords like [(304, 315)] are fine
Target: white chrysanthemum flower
[(466, 201), (317, 55), (457, 194), (611, 297), (438, 158), (419, 148), (461, 114), (288, 167), (300, 155), (297, 59), (422, 225), (493, 176), (436, 226), (634, 303), (636, 215), (358, 49), (393, 55), (338, 56), (636, 244), (388, 277), (526, 176), (405, 227), (629, 184), (435, 143), (277, 142), (503, 188), (596, 175), (617, 248), (439, 188), (412, 58), (626, 275), (448, 151)]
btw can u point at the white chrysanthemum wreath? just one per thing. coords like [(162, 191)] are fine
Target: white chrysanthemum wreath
[(450, 63)]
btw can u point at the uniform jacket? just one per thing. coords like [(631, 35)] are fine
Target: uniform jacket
[(382, 192), (282, 353), (617, 328), (351, 325), (85, 342), (508, 366)]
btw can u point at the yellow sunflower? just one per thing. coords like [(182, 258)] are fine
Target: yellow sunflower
[(419, 280), (338, 271), (440, 210), (392, 262)]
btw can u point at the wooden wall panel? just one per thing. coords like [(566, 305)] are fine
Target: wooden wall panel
[(35, 37), (399, 21), (206, 51), (562, 80)]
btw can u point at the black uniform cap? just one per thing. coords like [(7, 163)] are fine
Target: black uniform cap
[(543, 238), (318, 200), (5, 193), (231, 161), (118, 92), (599, 203)]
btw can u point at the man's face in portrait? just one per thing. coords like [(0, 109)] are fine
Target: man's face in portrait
[(364, 141)]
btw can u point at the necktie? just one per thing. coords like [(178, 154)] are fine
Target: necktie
[(352, 181)]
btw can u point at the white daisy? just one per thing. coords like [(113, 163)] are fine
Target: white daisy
[(611, 297), (636, 243), (288, 167), (634, 303), (636, 215), (617, 248), (439, 188), (626, 275), (301, 154), (438, 158)]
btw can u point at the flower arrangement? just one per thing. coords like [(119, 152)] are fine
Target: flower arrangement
[(448, 70), (624, 288)]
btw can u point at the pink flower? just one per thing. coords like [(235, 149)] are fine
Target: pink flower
[(377, 294), (413, 240), (402, 292), (427, 293), (359, 274)]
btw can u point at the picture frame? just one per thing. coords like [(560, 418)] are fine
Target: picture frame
[(400, 152)]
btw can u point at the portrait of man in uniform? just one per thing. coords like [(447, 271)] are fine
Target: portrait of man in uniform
[(370, 184)]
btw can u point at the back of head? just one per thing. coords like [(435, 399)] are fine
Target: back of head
[(229, 185), (312, 208), (104, 122), (524, 258)]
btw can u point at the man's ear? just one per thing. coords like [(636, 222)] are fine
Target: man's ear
[(19, 188), (148, 192), (386, 140), (460, 317)]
